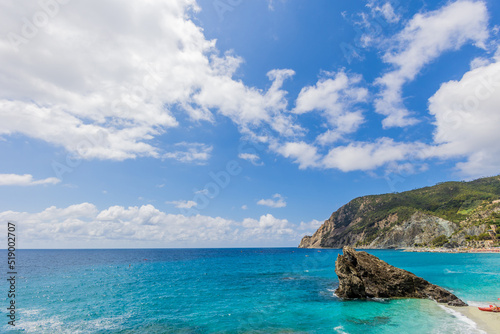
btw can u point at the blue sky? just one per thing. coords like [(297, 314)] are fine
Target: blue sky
[(234, 123)]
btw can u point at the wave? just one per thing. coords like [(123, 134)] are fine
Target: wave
[(56, 324), (448, 271), (462, 318), (340, 330)]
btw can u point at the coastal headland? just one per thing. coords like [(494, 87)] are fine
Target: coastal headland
[(449, 216)]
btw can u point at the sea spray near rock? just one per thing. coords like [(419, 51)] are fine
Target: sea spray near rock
[(362, 275)]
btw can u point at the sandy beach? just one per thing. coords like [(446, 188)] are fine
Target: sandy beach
[(487, 321)]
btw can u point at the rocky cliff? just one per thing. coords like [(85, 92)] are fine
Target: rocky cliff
[(362, 275), (451, 214)]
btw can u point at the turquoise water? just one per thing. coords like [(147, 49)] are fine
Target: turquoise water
[(284, 290)]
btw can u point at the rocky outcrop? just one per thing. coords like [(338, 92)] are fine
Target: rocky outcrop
[(362, 275)]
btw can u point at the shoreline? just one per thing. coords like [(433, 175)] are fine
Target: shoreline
[(452, 250), (486, 321)]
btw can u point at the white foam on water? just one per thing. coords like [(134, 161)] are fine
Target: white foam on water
[(448, 271), (43, 326), (340, 330), (478, 304), (484, 273), (56, 325), (462, 318)]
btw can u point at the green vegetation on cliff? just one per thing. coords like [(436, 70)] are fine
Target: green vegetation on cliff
[(474, 202)]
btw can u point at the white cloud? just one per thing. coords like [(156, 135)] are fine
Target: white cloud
[(244, 207), (25, 180), (105, 87), (276, 202), (467, 120), (304, 154), (183, 204), (367, 156), (425, 37), (253, 158), (384, 8), (192, 153), (361, 156), (479, 62), (388, 12), (336, 98), (266, 226), (83, 225)]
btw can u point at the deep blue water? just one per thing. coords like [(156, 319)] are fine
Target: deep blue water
[(285, 290)]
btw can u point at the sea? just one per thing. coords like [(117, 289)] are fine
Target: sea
[(251, 290)]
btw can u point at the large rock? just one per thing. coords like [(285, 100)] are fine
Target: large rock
[(362, 275)]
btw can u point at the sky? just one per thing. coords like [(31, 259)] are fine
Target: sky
[(234, 123)]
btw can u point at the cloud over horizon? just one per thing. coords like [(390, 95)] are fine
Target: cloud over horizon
[(83, 225)]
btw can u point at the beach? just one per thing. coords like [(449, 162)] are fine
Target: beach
[(486, 321)]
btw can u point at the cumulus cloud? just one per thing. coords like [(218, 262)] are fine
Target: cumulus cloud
[(190, 153), (369, 155), (83, 225), (425, 37), (267, 225), (105, 88), (337, 98), (277, 201), (253, 158), (467, 117), (109, 88), (306, 155), (25, 180)]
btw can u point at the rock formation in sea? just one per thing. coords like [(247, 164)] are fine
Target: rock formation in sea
[(449, 214), (362, 275)]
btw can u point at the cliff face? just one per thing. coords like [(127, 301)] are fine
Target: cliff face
[(456, 213), (362, 275)]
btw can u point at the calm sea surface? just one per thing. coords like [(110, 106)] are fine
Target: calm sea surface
[(284, 290)]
